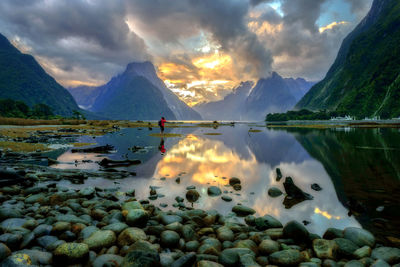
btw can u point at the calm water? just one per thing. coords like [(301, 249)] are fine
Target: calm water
[(358, 169)]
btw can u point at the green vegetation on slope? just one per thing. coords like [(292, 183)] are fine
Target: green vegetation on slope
[(303, 114), (364, 80), (22, 78), (18, 109)]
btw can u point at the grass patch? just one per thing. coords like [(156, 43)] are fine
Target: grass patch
[(254, 131), (82, 144), (213, 134), (26, 122), (165, 135), (23, 147)]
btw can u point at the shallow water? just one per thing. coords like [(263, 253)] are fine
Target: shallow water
[(360, 165)]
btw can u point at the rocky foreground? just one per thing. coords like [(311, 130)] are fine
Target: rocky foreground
[(49, 225)]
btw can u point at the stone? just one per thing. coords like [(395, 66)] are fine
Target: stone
[(17, 260), (295, 231), (362, 252), (224, 233), (358, 236), (388, 254), (316, 187), (168, 219), (60, 227), (169, 239), (231, 256), (43, 229), (87, 192), (108, 260), (274, 233), (332, 233), (295, 192), (70, 218), (47, 241), (137, 217), (248, 260), (188, 233), (130, 235), (100, 239), (380, 263), (241, 210), (274, 192), (226, 198), (116, 227), (4, 252), (346, 248), (205, 263), (325, 249), (192, 246), (267, 221), (6, 213), (267, 247), (71, 253), (87, 231), (141, 258), (309, 264), (233, 181), (247, 243), (186, 260), (132, 205), (330, 263), (285, 257), (214, 191), (11, 240), (354, 263), (192, 195)]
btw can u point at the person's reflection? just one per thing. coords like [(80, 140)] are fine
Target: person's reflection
[(161, 146)]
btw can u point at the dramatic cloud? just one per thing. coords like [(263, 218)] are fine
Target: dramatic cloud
[(201, 49)]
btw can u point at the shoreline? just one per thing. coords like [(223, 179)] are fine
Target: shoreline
[(47, 224)]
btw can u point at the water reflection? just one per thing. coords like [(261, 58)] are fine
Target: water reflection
[(360, 164)]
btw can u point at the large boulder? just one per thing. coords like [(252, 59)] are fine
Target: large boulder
[(266, 222), (296, 231), (325, 249), (289, 257), (137, 217), (388, 254), (241, 210), (101, 239), (71, 253), (358, 236), (130, 235)]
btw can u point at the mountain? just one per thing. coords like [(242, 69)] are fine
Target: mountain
[(365, 77), (84, 95), (128, 96), (149, 99), (230, 108), (22, 78), (274, 94)]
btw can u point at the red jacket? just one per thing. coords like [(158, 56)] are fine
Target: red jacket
[(162, 122)]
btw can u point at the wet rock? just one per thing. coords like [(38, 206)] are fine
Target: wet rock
[(214, 191), (116, 227), (100, 239), (330, 263), (188, 233), (241, 210), (295, 192), (362, 252), (168, 219), (87, 231), (71, 253), (224, 233), (316, 187), (247, 243), (192, 195), (87, 192), (285, 257), (70, 218), (358, 236), (274, 233), (6, 213), (388, 254), (186, 260), (325, 249), (248, 260), (108, 260), (4, 252), (205, 263), (169, 239), (137, 217), (48, 242), (17, 260), (43, 229), (11, 240), (266, 222), (267, 247), (130, 236), (296, 231), (226, 198), (354, 263), (233, 181), (274, 192), (132, 205), (346, 248), (231, 256), (237, 187), (278, 174), (380, 263), (141, 258), (332, 233)]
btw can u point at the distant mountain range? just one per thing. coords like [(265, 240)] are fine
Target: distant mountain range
[(22, 78), (137, 93), (273, 94), (365, 77)]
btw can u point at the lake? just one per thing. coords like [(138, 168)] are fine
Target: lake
[(358, 170)]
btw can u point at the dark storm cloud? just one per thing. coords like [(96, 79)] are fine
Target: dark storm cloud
[(226, 21), (74, 35)]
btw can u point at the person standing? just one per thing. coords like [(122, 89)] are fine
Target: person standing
[(161, 123)]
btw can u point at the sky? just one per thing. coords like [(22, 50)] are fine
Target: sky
[(201, 49)]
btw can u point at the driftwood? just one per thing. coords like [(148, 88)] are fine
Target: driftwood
[(118, 163)]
